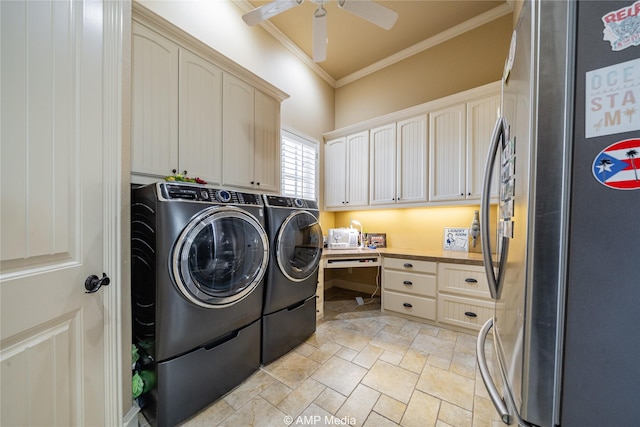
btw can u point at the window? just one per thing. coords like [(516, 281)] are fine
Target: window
[(299, 165)]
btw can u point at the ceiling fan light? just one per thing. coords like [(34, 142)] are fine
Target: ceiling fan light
[(371, 11)]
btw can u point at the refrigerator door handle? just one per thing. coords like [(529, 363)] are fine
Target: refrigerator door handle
[(497, 401), (498, 132)]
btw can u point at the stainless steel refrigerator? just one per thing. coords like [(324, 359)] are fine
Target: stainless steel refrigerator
[(566, 266)]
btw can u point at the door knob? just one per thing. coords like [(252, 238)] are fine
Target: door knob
[(93, 283)]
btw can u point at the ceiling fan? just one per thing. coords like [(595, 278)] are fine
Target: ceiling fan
[(365, 9)]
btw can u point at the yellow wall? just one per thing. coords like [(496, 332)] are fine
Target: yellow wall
[(470, 60), (411, 228)]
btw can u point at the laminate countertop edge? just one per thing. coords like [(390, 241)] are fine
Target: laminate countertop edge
[(468, 258)]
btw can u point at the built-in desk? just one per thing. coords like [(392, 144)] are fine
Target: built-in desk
[(445, 287)]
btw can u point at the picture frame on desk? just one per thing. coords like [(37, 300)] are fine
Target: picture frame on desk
[(379, 240)]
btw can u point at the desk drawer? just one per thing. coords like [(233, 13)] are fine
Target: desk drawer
[(419, 284), (464, 312), (409, 304), (410, 265)]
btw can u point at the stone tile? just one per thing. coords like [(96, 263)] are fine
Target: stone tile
[(210, 416), (448, 335), (368, 356), (391, 357), (250, 388), (275, 393), (454, 415), (330, 400), (422, 410), (439, 362), (291, 369), (340, 375), (484, 414), (256, 413), (411, 329), (430, 330), (301, 397), (347, 353), (466, 344), (391, 380), (325, 351), (438, 346), (390, 408), (358, 405), (447, 386), (377, 420), (313, 415), (414, 361), (305, 349), (390, 341), (464, 364)]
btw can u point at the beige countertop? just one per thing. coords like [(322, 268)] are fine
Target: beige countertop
[(470, 258)]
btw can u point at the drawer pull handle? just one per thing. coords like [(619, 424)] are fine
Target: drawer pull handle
[(408, 282), (470, 314), (408, 265), (470, 280), (406, 304)]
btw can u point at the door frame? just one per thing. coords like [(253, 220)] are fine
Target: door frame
[(116, 219)]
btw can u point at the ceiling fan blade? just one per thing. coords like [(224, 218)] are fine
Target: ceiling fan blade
[(269, 10), (319, 35), (371, 11)]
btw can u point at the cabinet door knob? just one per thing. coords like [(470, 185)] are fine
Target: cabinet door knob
[(406, 304), (252, 182), (407, 282), (408, 265), (184, 172), (470, 280), (470, 314), (173, 171)]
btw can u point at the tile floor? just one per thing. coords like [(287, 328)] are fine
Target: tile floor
[(362, 368)]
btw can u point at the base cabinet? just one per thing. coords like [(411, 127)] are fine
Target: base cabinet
[(463, 296), (409, 287)]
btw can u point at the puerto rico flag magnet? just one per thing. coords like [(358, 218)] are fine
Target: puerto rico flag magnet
[(618, 165)]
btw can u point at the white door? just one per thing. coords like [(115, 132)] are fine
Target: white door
[(53, 139)]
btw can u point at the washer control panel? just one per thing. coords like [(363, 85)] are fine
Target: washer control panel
[(204, 194)]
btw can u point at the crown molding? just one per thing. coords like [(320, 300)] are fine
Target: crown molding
[(442, 37)]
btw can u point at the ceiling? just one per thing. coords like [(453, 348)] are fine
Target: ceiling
[(356, 47)]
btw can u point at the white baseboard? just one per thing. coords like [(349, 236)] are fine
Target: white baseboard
[(131, 418)]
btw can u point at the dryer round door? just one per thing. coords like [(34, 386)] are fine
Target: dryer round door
[(220, 257), (299, 246)]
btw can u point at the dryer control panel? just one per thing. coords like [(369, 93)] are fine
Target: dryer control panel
[(290, 202), (203, 194)]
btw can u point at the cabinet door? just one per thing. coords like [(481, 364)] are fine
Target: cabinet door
[(238, 132), (447, 153), (358, 169), (481, 118), (383, 164), (200, 149), (154, 85), (335, 168), (266, 162), (412, 160)]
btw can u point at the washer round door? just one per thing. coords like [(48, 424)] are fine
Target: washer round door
[(299, 246), (220, 257)]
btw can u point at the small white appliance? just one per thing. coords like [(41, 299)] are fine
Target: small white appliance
[(342, 238)]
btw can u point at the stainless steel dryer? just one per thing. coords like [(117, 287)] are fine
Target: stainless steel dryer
[(198, 259), (295, 236)]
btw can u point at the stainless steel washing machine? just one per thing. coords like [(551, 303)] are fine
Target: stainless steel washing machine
[(295, 236), (198, 260)]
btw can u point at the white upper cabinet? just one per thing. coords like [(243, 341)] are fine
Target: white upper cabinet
[(482, 115), (347, 171), (196, 113), (266, 152), (447, 153), (384, 164), (459, 140), (412, 160), (200, 118), (154, 125), (238, 130), (399, 162)]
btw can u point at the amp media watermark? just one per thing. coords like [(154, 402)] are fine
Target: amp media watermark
[(319, 420)]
